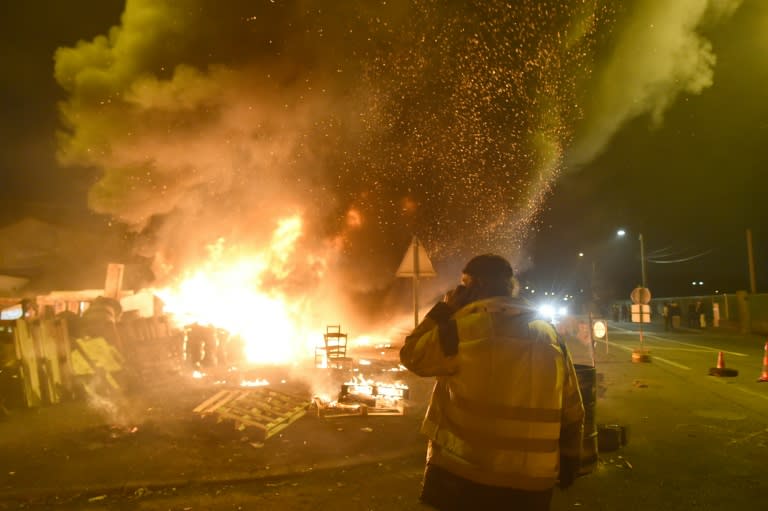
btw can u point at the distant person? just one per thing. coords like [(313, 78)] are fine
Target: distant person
[(666, 312), (30, 309), (100, 320), (676, 314), (506, 417), (701, 315), (693, 316)]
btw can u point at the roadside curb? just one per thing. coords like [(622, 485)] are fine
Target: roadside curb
[(277, 473)]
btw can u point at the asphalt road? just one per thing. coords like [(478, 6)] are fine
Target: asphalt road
[(694, 442)]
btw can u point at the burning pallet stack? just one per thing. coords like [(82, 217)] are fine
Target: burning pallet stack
[(269, 411), (361, 397)]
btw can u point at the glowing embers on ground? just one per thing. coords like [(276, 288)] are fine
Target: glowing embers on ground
[(233, 377), (242, 293)]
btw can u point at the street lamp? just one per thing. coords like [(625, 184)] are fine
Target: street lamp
[(642, 259), (640, 299)]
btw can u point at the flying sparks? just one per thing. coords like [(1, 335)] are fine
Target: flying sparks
[(446, 121)]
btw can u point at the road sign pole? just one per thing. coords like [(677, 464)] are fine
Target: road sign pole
[(592, 338), (641, 299), (415, 282)]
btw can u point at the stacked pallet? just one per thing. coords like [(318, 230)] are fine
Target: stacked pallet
[(265, 410)]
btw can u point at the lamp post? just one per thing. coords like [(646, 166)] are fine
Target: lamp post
[(640, 298), (643, 281), (642, 260)]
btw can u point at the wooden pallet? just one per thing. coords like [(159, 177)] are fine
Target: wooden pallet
[(266, 410), (375, 390)]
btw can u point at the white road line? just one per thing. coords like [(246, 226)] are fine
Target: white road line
[(670, 348), (668, 340), (715, 350), (748, 437), (744, 390), (621, 346), (674, 364)]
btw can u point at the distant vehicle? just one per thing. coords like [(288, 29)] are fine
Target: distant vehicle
[(552, 312)]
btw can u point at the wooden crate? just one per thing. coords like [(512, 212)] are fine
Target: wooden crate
[(265, 410)]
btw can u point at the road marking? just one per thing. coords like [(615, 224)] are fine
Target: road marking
[(703, 348), (666, 339), (748, 437), (674, 364), (668, 348), (742, 389)]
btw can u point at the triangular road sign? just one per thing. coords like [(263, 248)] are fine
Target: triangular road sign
[(416, 262)]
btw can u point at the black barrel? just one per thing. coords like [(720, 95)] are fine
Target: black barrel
[(587, 376)]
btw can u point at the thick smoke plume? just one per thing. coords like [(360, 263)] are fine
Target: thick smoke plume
[(373, 121), (658, 53)]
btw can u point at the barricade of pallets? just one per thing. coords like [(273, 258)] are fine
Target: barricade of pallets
[(265, 410)]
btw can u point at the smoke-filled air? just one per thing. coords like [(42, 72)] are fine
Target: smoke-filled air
[(213, 124)]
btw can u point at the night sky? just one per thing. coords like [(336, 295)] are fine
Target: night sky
[(530, 128)]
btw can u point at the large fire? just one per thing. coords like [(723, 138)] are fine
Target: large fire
[(234, 291)]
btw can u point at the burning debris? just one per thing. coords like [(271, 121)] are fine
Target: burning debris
[(231, 377), (364, 397), (259, 406)]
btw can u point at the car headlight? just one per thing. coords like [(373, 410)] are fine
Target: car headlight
[(547, 311)]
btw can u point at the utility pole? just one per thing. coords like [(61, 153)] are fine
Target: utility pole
[(642, 260), (751, 262), (416, 268)]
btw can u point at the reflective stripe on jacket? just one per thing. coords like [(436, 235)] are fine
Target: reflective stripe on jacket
[(506, 401)]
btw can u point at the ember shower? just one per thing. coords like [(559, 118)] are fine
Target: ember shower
[(373, 121)]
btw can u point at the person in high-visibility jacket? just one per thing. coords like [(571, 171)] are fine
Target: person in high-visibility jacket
[(506, 417)]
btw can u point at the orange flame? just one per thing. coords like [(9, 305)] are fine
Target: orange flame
[(359, 384), (228, 291)]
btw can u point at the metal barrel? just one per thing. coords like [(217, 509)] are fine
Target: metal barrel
[(587, 377)]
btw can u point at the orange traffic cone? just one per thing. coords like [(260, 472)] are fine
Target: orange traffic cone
[(764, 376), (721, 370)]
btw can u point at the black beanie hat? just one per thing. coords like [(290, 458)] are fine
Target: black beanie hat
[(489, 266)]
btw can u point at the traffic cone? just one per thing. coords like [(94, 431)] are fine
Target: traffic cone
[(764, 376), (721, 370)]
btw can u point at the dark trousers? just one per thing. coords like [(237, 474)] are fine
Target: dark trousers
[(448, 492)]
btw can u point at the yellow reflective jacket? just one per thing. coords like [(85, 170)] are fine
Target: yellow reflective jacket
[(506, 403)]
